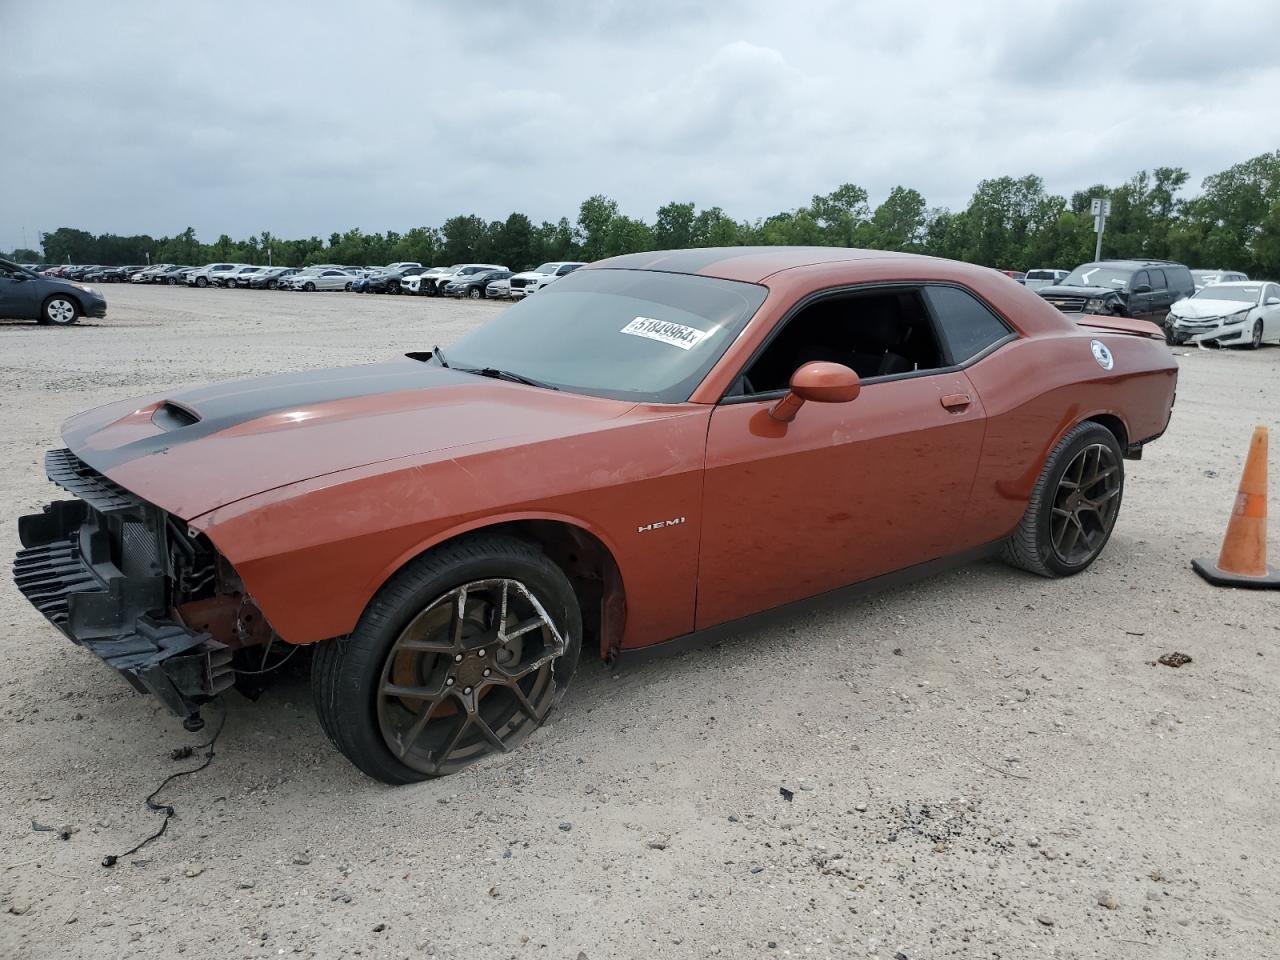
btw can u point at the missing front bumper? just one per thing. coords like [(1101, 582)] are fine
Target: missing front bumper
[(70, 570)]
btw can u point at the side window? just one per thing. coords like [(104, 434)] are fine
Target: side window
[(1158, 281), (1138, 279), (878, 334), (968, 327), (1272, 291)]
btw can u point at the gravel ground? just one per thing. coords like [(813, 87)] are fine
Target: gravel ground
[(986, 764)]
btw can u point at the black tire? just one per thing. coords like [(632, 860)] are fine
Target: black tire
[(348, 674), (1255, 340), (1036, 546), (172, 281), (202, 281), (347, 288), (232, 282), (59, 310), (475, 293), (309, 287), (271, 284)]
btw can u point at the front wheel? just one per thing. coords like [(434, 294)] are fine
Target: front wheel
[(1073, 505), (233, 283), (462, 654), (202, 282), (1256, 340), (60, 311), (475, 293), (309, 287)]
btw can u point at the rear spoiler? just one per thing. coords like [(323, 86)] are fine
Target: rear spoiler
[(1114, 324)]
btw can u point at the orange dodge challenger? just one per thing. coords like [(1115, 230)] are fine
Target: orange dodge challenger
[(601, 465)]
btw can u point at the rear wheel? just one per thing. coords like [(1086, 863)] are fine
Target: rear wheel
[(347, 288), (60, 311), (1073, 506), (462, 654)]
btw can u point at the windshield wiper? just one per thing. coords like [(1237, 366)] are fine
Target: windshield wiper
[(495, 374), (439, 355)]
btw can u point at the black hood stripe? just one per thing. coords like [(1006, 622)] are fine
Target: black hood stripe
[(226, 405)]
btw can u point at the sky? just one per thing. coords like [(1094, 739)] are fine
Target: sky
[(309, 118)]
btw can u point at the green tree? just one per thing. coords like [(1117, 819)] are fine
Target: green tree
[(899, 223), (674, 229), (595, 216)]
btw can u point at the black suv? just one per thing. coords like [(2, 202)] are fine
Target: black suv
[(31, 296), (1145, 289)]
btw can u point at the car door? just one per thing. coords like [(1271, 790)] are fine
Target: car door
[(843, 493), (1139, 303), (19, 297), (1271, 312), (1161, 296)]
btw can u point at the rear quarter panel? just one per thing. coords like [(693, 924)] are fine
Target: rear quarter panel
[(1036, 389)]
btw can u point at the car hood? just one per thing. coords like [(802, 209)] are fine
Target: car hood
[(192, 451), (1206, 309), (1062, 290)]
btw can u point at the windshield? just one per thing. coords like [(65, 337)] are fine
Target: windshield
[(1098, 275), (1040, 274), (1247, 294), (628, 334), (545, 268)]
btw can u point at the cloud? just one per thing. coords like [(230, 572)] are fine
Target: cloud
[(306, 119)]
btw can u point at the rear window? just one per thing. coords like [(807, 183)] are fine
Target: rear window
[(968, 326)]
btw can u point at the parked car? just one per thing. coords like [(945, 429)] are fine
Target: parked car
[(531, 281), (174, 275), (27, 295), (78, 272), (268, 278), (1204, 278), (1014, 275), (498, 289), (1041, 277), (316, 278), (423, 280), (1235, 314), (589, 471), (1144, 289), (149, 274), (399, 266), (203, 276), (472, 284), (239, 277), (435, 286)]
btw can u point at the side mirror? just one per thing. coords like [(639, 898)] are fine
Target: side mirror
[(819, 381), (1273, 301), (1142, 288)]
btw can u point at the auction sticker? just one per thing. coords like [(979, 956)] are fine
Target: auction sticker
[(676, 334)]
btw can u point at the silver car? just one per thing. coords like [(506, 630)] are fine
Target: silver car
[(318, 278)]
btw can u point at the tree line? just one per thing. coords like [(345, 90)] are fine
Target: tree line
[(1009, 223)]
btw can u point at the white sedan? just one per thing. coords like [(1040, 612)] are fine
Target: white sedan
[(320, 279), (1239, 314)]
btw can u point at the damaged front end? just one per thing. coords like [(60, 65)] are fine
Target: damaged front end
[(133, 585)]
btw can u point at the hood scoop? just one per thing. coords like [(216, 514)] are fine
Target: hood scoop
[(171, 415)]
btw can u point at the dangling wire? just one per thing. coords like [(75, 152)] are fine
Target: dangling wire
[(110, 859)]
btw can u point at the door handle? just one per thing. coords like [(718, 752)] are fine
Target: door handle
[(956, 401)]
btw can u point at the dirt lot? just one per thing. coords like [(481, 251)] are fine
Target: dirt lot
[(985, 764)]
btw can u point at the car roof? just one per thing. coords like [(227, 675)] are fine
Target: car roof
[(1236, 283), (752, 264)]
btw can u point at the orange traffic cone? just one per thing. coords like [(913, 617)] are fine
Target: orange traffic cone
[(1243, 561)]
